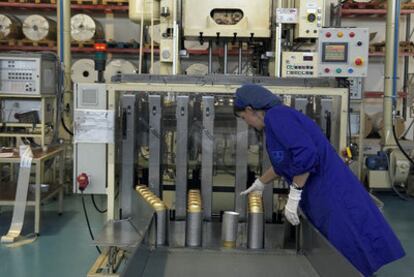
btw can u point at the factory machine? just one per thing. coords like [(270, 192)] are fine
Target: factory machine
[(172, 158)]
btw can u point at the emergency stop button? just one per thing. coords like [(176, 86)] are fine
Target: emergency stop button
[(359, 61), (83, 181)]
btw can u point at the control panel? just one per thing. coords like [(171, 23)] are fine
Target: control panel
[(310, 18), (355, 88), (343, 52), (299, 64), (28, 74)]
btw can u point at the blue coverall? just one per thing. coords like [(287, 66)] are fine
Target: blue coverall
[(333, 198)]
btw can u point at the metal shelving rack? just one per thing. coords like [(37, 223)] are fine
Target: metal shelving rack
[(38, 131)]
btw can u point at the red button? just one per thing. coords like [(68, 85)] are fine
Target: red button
[(327, 70), (351, 34), (328, 35), (358, 61)]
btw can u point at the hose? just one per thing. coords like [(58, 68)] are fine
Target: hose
[(96, 206), (394, 104), (65, 127), (88, 223)]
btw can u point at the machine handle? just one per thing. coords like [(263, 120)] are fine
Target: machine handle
[(124, 124)]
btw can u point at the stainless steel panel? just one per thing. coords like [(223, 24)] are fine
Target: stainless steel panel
[(326, 260), (268, 192), (241, 168), (220, 79), (301, 104), (120, 233), (154, 170), (181, 159), (207, 142), (241, 263), (128, 233), (129, 154)]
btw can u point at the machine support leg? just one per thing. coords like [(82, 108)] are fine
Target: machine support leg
[(181, 157), (268, 192), (129, 149), (207, 155), (241, 167), (154, 170)]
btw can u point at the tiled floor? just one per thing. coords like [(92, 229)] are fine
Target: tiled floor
[(64, 247)]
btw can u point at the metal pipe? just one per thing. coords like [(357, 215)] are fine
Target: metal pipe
[(406, 64), (240, 58), (193, 233), (388, 139), (64, 50), (278, 43), (255, 222), (141, 38), (225, 57), (210, 57), (229, 229), (152, 34)]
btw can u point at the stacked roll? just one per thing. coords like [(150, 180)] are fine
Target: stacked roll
[(10, 27), (255, 222), (37, 27), (161, 214), (194, 222), (85, 28)]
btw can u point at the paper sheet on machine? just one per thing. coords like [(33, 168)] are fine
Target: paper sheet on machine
[(94, 126)]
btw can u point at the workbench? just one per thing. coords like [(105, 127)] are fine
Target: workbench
[(40, 194)]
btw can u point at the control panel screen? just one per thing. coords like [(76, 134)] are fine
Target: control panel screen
[(334, 52)]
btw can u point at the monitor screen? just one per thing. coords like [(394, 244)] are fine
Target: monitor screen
[(334, 52)]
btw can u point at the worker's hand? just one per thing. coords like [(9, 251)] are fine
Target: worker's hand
[(291, 208), (257, 187)]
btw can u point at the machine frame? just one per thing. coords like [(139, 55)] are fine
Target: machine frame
[(211, 86)]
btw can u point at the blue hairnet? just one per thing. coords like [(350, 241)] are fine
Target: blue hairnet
[(255, 96)]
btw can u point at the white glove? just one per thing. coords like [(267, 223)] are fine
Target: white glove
[(257, 187), (291, 208)]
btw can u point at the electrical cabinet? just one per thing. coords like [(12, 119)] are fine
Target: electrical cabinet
[(310, 18), (90, 158), (343, 52), (28, 74)]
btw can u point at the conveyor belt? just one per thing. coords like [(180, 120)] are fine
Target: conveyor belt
[(179, 262)]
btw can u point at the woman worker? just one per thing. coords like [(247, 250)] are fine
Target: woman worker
[(327, 191)]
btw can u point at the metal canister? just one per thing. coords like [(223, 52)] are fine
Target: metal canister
[(255, 222), (194, 224), (229, 229), (161, 219)]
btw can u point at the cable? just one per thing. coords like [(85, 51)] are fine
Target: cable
[(88, 223), (394, 188), (407, 130), (65, 127), (96, 206), (400, 146)]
